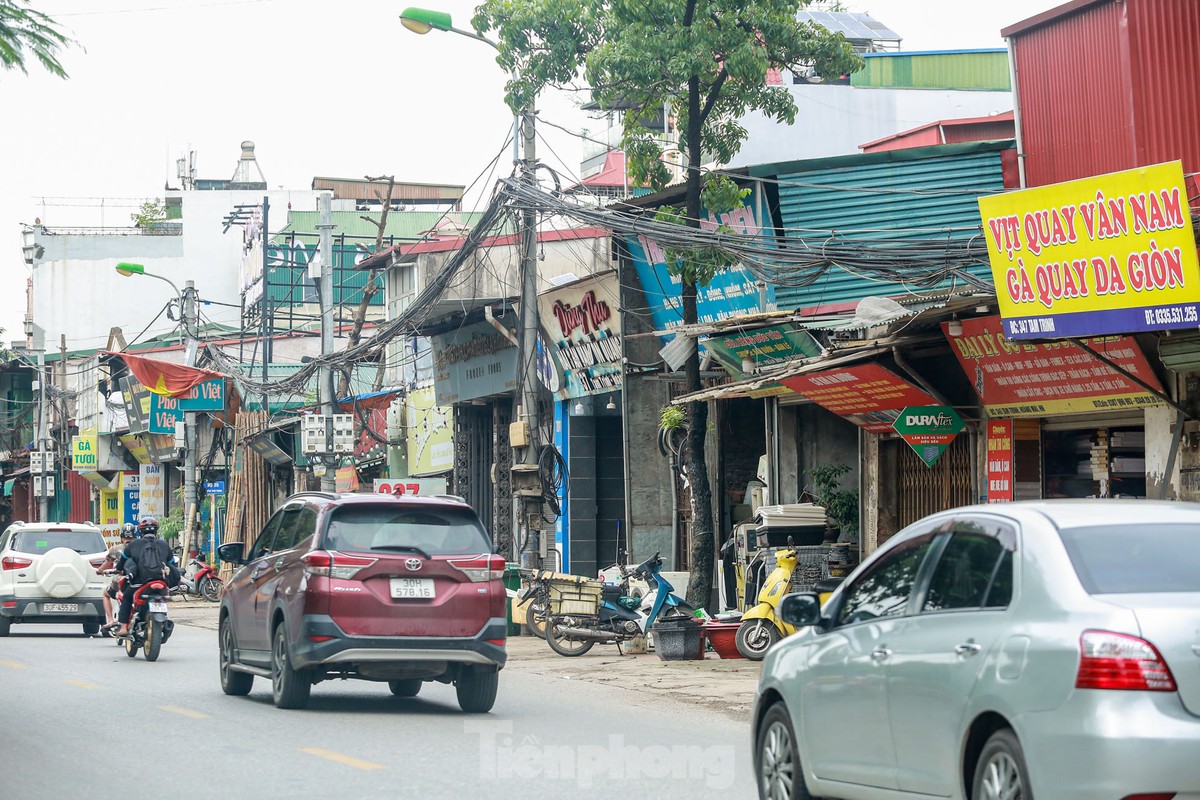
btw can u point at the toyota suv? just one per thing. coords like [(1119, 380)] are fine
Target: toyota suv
[(400, 590), (48, 575)]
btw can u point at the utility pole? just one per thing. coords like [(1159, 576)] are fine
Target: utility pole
[(43, 437), (191, 435), (325, 296), (527, 485)]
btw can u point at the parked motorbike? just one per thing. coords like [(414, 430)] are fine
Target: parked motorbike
[(619, 616), (537, 595), (201, 580), (761, 625), (149, 627)]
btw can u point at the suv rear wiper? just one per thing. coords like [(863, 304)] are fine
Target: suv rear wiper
[(402, 548)]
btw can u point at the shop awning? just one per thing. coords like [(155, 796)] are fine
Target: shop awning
[(164, 377)]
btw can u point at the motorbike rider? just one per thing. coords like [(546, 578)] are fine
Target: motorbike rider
[(148, 537), (110, 561)]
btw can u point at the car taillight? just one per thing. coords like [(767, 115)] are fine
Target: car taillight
[(480, 568), (335, 565), (1116, 661), (12, 562), (97, 562)]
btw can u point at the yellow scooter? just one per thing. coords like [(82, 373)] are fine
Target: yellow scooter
[(761, 626)]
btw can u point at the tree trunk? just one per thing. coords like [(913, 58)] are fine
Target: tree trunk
[(372, 288), (701, 579)]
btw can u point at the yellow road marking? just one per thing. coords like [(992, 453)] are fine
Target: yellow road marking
[(82, 684), (341, 759), (12, 664), (185, 712)]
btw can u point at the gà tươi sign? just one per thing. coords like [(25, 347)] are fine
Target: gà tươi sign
[(928, 430)]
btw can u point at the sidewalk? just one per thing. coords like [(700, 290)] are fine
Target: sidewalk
[(725, 686)]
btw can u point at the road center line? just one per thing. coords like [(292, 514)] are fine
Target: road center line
[(12, 665), (82, 684), (185, 712), (341, 759)]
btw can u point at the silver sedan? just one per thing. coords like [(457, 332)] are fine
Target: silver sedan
[(1047, 649)]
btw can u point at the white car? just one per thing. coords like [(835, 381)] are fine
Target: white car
[(48, 575)]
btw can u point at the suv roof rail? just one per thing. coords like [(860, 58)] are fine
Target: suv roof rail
[(459, 498), (315, 493)]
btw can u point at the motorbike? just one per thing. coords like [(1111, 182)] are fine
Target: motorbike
[(537, 594), (149, 627), (619, 616), (199, 579), (761, 626)]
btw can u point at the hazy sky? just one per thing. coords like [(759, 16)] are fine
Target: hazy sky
[(332, 89)]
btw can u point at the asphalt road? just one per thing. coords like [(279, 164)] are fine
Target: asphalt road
[(65, 699)]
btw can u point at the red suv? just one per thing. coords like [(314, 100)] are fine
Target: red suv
[(369, 586)]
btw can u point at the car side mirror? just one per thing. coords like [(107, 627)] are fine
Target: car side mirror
[(800, 609), (232, 552)]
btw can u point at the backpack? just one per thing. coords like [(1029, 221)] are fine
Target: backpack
[(149, 559)]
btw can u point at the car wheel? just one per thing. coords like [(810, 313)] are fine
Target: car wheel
[(232, 682), (777, 758), (1000, 773), (91, 628), (409, 687), (476, 690), (755, 637), (5, 625), (290, 688)]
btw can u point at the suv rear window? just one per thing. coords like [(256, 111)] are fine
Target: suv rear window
[(1124, 559), (39, 542), (434, 530)]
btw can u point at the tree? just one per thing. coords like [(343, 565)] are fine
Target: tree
[(149, 213), (22, 29), (707, 62)]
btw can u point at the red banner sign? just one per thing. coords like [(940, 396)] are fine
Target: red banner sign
[(1000, 460), (866, 394), (1016, 379)]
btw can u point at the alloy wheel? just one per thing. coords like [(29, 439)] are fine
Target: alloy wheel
[(1001, 778), (776, 766)]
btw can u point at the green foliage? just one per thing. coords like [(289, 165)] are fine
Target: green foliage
[(150, 213), (24, 30), (671, 417), (841, 505), (170, 526)]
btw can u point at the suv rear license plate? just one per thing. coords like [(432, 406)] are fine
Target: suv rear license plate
[(419, 588), (60, 608)]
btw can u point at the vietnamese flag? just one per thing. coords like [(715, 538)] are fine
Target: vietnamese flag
[(163, 377)]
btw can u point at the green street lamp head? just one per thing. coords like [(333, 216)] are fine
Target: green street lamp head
[(127, 269), (422, 20)]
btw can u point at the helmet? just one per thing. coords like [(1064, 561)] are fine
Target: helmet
[(148, 527), (128, 531)]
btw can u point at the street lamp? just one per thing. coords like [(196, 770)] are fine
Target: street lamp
[(187, 313), (526, 482)]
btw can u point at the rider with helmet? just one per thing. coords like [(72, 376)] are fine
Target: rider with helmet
[(110, 592), (130, 558)]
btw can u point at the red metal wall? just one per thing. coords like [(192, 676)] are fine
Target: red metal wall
[(1108, 85), (81, 498)]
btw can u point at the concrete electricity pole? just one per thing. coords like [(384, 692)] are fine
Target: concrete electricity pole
[(325, 296), (43, 438), (191, 435)]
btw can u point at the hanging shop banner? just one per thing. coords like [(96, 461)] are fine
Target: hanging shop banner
[(152, 491), (928, 430), (346, 479), (762, 347), (410, 486), (250, 273), (1023, 379), (474, 361), (429, 440), (137, 404), (868, 395), (581, 326), (130, 497), (136, 447), (732, 292), (1109, 254), (999, 460), (370, 443), (165, 413), (85, 449)]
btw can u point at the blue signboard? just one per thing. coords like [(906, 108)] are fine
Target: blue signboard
[(214, 487), (132, 496), (164, 413), (732, 292), (205, 396)]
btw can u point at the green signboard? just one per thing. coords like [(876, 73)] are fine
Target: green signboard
[(762, 346), (929, 430)]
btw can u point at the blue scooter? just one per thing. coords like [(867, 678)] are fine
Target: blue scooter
[(620, 616)]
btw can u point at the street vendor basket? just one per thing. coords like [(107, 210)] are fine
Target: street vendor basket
[(575, 596)]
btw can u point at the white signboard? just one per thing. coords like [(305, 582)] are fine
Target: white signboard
[(422, 487), (152, 491)]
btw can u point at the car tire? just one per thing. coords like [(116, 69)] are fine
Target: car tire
[(777, 769), (477, 689), (233, 683), (91, 628), (290, 687), (409, 687), (1000, 771), (755, 637), (5, 626)]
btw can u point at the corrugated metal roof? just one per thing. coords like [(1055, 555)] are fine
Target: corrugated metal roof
[(400, 224), (862, 203), (974, 70)]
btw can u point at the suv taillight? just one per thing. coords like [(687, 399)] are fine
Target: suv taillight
[(480, 568), (97, 562), (11, 562), (335, 565), (1116, 661)]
